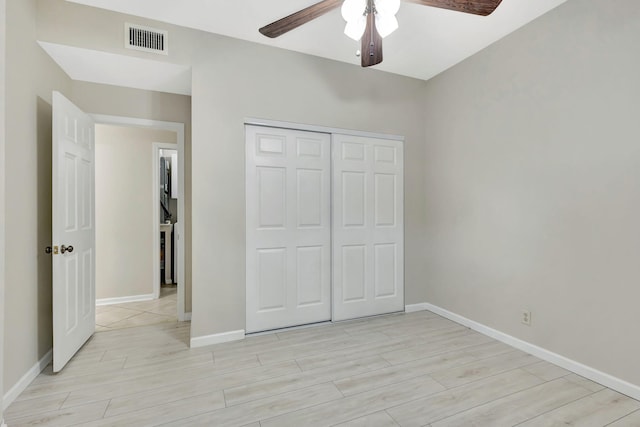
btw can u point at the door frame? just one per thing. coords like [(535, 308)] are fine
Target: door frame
[(253, 121), (3, 6), (178, 128), (155, 200)]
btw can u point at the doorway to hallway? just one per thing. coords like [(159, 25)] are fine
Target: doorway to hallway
[(142, 313)]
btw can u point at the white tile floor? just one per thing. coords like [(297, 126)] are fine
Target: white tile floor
[(144, 313), (413, 369)]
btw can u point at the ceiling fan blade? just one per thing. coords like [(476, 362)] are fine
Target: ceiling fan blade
[(299, 18), (476, 7), (371, 51)]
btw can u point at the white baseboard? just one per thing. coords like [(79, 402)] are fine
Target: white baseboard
[(411, 308), (593, 374), (26, 379), (122, 300), (217, 338)]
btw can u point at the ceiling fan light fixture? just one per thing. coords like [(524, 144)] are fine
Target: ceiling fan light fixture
[(387, 7), (353, 9), (355, 29), (386, 24), (370, 20)]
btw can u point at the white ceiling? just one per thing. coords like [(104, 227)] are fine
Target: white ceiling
[(120, 70), (428, 41)]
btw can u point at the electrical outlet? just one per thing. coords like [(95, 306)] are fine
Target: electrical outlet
[(526, 317)]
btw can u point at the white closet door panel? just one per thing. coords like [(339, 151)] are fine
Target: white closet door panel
[(354, 273), (272, 272), (368, 229), (310, 271), (385, 194), (309, 194), (288, 217), (272, 197), (385, 263), (354, 198)]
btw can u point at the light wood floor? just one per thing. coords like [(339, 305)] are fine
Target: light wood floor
[(407, 369)]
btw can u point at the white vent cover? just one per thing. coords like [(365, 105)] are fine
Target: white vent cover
[(146, 39)]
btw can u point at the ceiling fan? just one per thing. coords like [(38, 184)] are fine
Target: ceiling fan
[(371, 20)]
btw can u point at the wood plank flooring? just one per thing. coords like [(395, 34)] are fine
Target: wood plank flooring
[(413, 369)]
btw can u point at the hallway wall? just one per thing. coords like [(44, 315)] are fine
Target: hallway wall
[(124, 209)]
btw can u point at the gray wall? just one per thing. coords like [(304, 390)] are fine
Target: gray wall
[(3, 5), (248, 80), (533, 185), (32, 76), (125, 211)]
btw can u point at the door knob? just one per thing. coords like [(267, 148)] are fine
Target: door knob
[(64, 248)]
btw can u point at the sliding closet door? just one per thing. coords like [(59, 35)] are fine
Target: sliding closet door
[(368, 258), (288, 217)]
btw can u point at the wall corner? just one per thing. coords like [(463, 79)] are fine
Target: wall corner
[(3, 15)]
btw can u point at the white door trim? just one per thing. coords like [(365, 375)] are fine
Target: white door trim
[(155, 200), (372, 157), (321, 129), (3, 6), (179, 129)]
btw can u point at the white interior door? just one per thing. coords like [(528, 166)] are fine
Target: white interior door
[(288, 217), (368, 230), (74, 298)]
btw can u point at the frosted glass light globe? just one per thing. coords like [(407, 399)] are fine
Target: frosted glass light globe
[(387, 7), (355, 29), (353, 9), (386, 24)]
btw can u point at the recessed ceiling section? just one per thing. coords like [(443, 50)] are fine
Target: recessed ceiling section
[(120, 70), (428, 41)]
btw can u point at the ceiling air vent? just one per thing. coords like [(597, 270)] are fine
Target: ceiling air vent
[(146, 39)]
